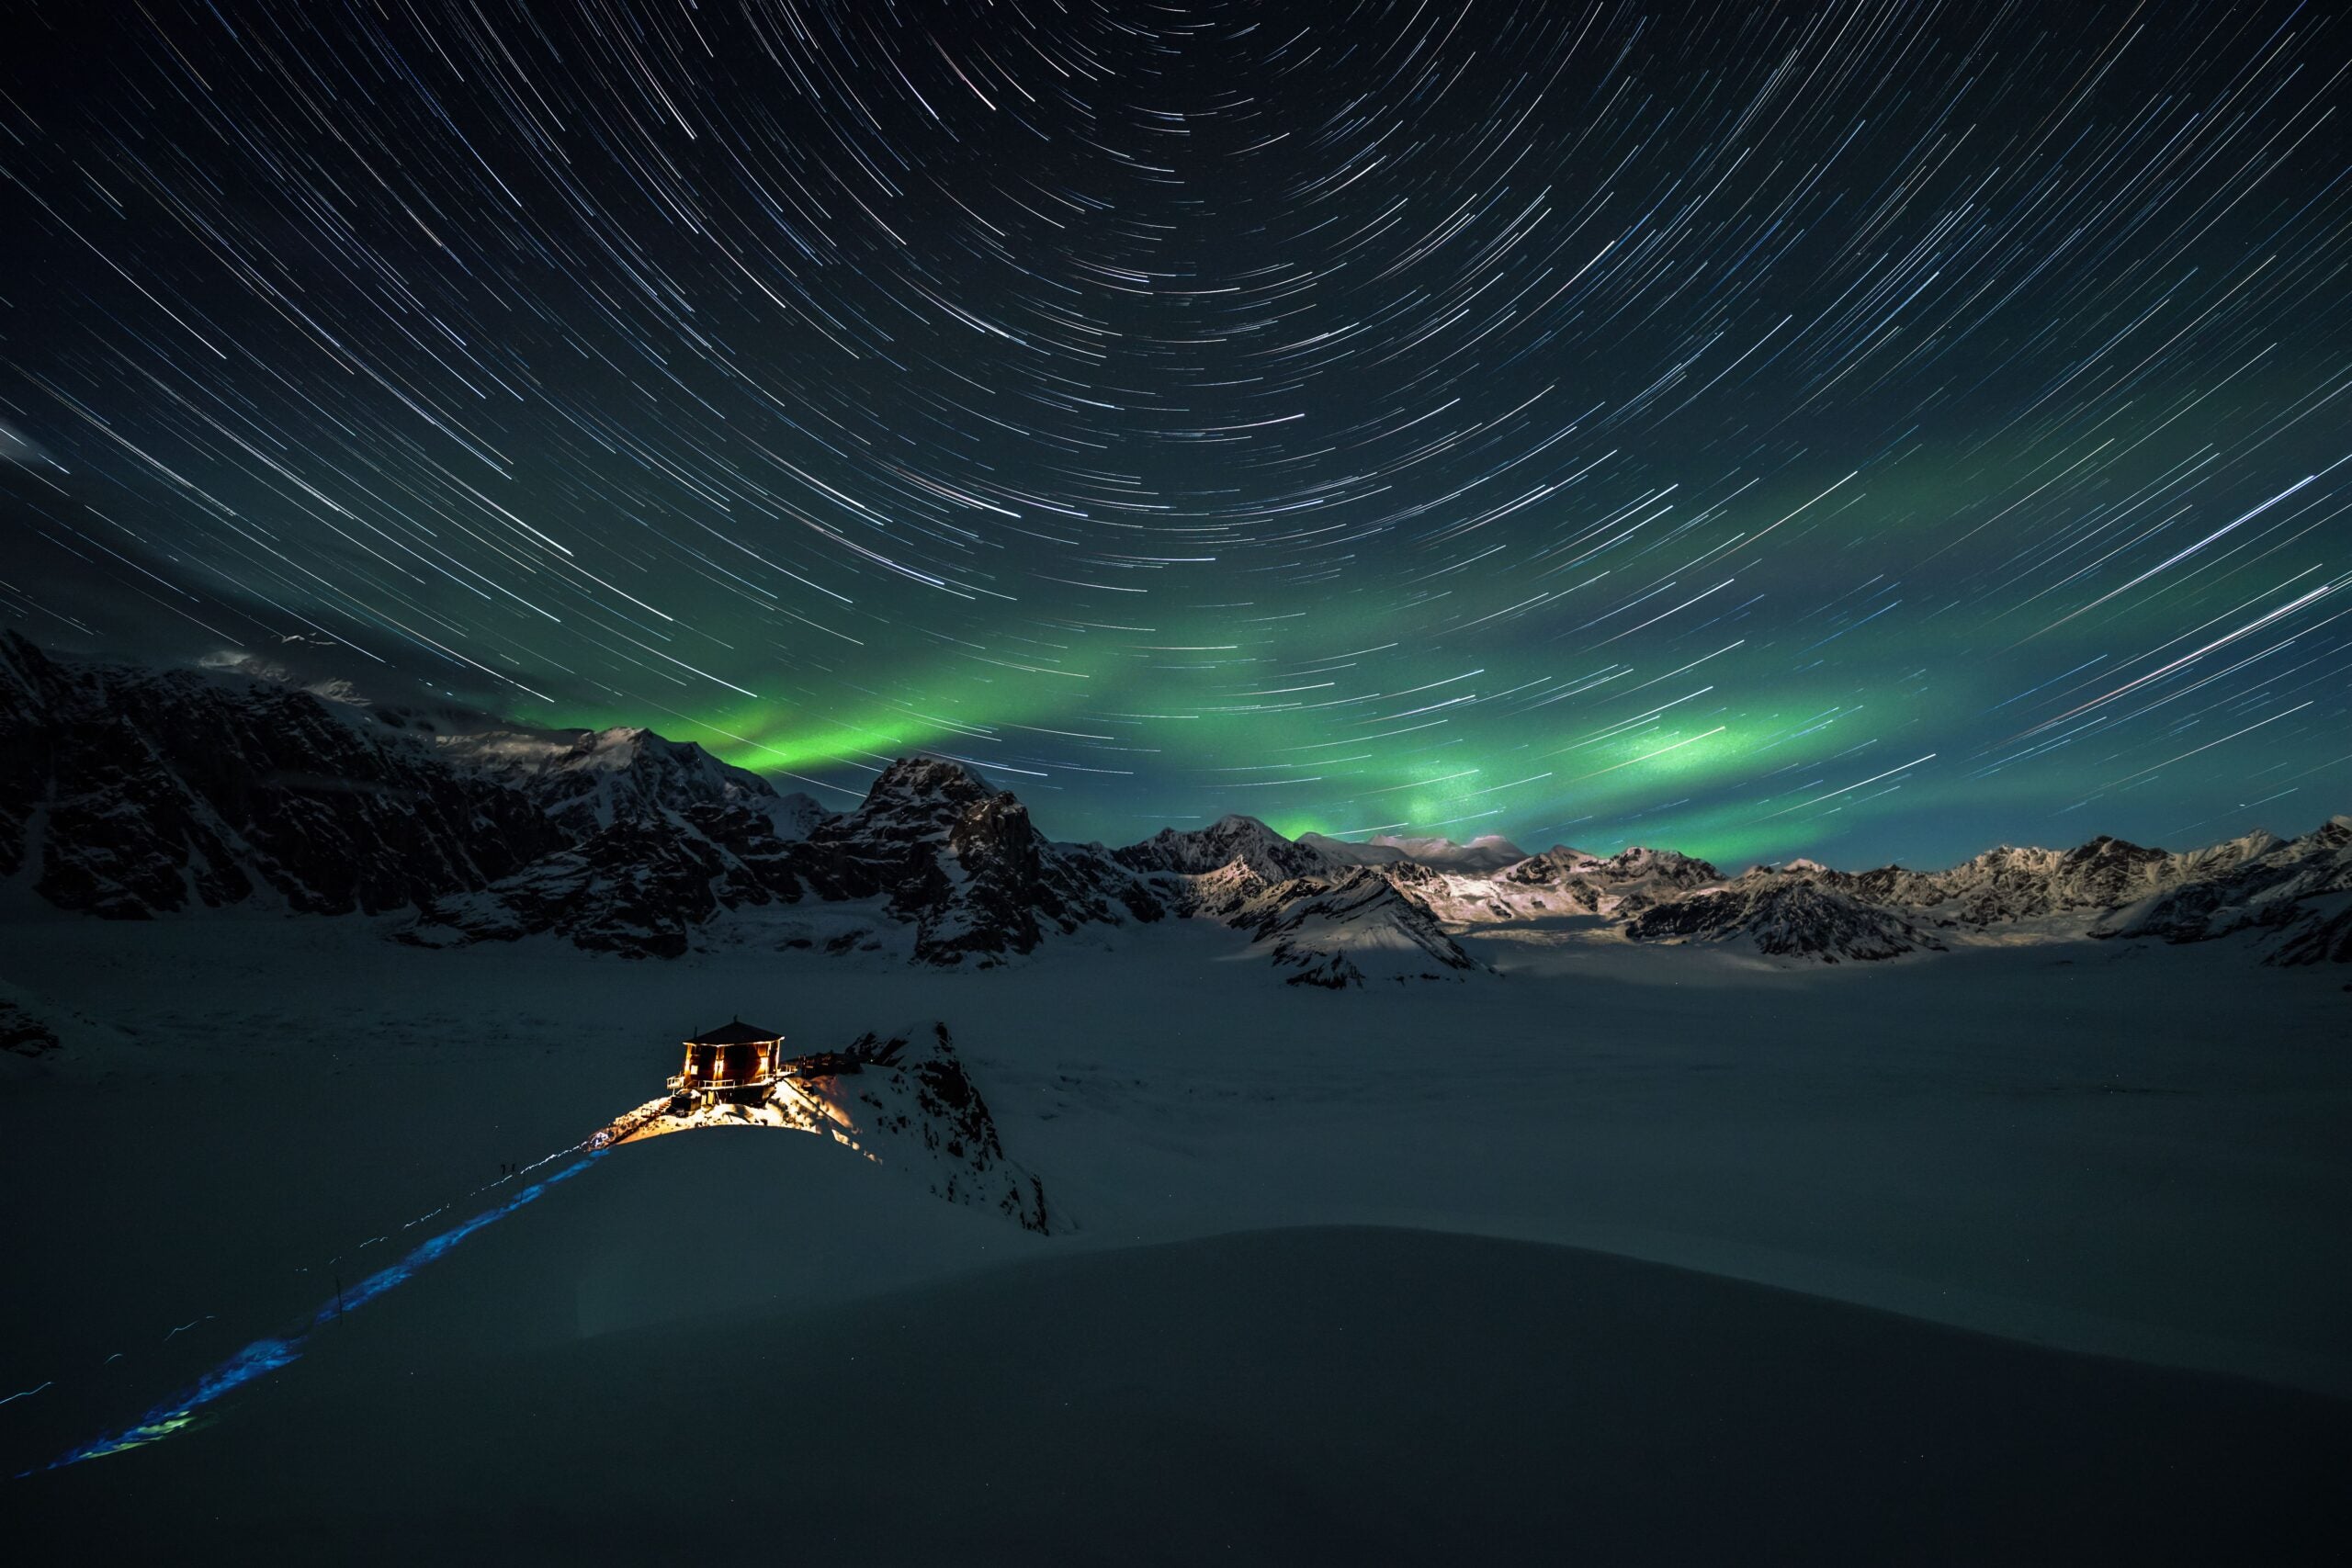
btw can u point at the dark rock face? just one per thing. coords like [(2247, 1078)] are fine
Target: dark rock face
[(1784, 915), (138, 793), (2323, 939), (23, 1033)]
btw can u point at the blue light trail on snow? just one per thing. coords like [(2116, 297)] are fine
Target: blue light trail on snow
[(266, 1356)]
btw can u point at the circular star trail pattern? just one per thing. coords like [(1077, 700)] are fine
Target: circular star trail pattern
[(1882, 427)]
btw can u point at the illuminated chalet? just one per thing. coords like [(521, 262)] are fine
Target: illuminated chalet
[(735, 1061)]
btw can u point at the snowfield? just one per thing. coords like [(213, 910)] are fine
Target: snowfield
[(2134, 1150)]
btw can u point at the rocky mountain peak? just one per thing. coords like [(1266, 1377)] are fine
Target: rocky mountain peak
[(1197, 852), (914, 799), (918, 779)]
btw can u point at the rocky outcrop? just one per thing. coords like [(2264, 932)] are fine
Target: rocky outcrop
[(903, 1100), (925, 1096), (23, 1034), (2322, 938), (1649, 870)]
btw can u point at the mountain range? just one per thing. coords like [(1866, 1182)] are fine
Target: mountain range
[(130, 793)]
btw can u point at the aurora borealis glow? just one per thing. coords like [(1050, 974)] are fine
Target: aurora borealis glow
[(1885, 428)]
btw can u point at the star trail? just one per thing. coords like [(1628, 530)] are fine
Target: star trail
[(1890, 427)]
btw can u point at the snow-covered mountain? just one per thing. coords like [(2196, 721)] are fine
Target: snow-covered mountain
[(961, 863), (130, 794), (1199, 851), (2008, 885), (2299, 888), (587, 779), (933, 847), (1343, 851), (1349, 929), (1489, 851), (644, 886), (2294, 894), (1559, 882), (1783, 914)]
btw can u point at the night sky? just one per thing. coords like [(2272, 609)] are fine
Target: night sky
[(1870, 431)]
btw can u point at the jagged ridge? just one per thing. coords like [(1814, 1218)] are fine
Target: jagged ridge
[(130, 793)]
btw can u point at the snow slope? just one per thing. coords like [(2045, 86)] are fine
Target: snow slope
[(2093, 1146)]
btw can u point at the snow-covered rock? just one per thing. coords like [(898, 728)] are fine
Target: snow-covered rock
[(588, 779), (2009, 885), (1650, 870), (1783, 914), (1196, 852), (961, 863), (22, 1033), (2297, 891), (1233, 837), (1559, 882), (942, 853), (1351, 929), (641, 888), (910, 1103)]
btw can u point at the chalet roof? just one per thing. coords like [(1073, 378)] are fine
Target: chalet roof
[(737, 1033)]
